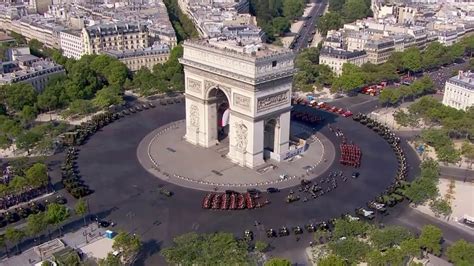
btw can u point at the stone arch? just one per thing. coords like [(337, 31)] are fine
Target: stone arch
[(216, 89)]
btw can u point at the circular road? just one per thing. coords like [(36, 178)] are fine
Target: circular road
[(129, 195)]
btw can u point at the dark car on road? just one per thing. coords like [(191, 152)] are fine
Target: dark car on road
[(272, 190)]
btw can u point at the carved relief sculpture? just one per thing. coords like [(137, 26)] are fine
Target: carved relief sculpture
[(194, 116), (273, 100), (194, 85), (240, 136)]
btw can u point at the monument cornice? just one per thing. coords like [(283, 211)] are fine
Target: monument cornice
[(238, 77)]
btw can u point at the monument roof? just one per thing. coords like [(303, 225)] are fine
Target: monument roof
[(256, 51)]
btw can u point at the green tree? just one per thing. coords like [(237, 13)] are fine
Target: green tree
[(467, 150), (411, 247), (81, 209), (14, 235), (28, 114), (329, 21), (19, 95), (331, 260), (53, 96), (27, 140), (280, 25), (110, 260), (107, 96), (37, 175), (441, 207), (433, 55), (411, 59), (56, 214), (36, 223), (461, 253), (128, 245), (349, 228), (278, 262), (3, 243), (351, 78), (389, 237), (79, 107), (293, 9), (354, 10), (206, 249), (350, 249), (261, 246), (430, 239), (421, 190)]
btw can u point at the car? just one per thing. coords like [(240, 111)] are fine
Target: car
[(283, 231), (310, 228), (283, 176), (60, 200), (376, 206), (355, 174), (248, 235), (333, 109), (292, 198), (253, 191), (340, 111), (347, 114), (145, 106), (272, 190), (103, 224), (166, 192), (271, 233), (297, 230), (365, 213)]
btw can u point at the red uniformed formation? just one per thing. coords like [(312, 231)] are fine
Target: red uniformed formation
[(350, 154), (231, 201)]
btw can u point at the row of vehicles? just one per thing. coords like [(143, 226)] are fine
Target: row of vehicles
[(393, 193), (322, 105), (231, 200)]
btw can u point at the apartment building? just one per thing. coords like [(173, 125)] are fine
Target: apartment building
[(459, 91), (142, 57), (72, 45), (378, 51), (336, 58), (114, 36), (29, 69)]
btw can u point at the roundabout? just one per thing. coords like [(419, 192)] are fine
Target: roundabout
[(165, 154), (128, 194)]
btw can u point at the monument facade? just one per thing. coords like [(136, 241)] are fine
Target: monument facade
[(252, 84)]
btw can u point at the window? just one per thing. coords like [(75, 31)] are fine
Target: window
[(274, 63)]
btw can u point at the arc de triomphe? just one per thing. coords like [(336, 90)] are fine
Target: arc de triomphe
[(256, 82)]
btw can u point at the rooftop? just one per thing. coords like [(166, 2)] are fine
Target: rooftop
[(260, 50), (463, 79), (341, 53)]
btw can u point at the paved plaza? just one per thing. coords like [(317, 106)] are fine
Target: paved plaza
[(165, 154)]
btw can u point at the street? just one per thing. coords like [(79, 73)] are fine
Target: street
[(307, 32)]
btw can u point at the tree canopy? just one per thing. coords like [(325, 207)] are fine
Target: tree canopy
[(206, 249), (461, 252)]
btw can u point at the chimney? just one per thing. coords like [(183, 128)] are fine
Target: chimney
[(460, 74)]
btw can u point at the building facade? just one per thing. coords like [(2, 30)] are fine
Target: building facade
[(138, 58), (115, 36), (72, 45), (29, 69), (378, 51), (336, 58), (252, 85), (459, 91)]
